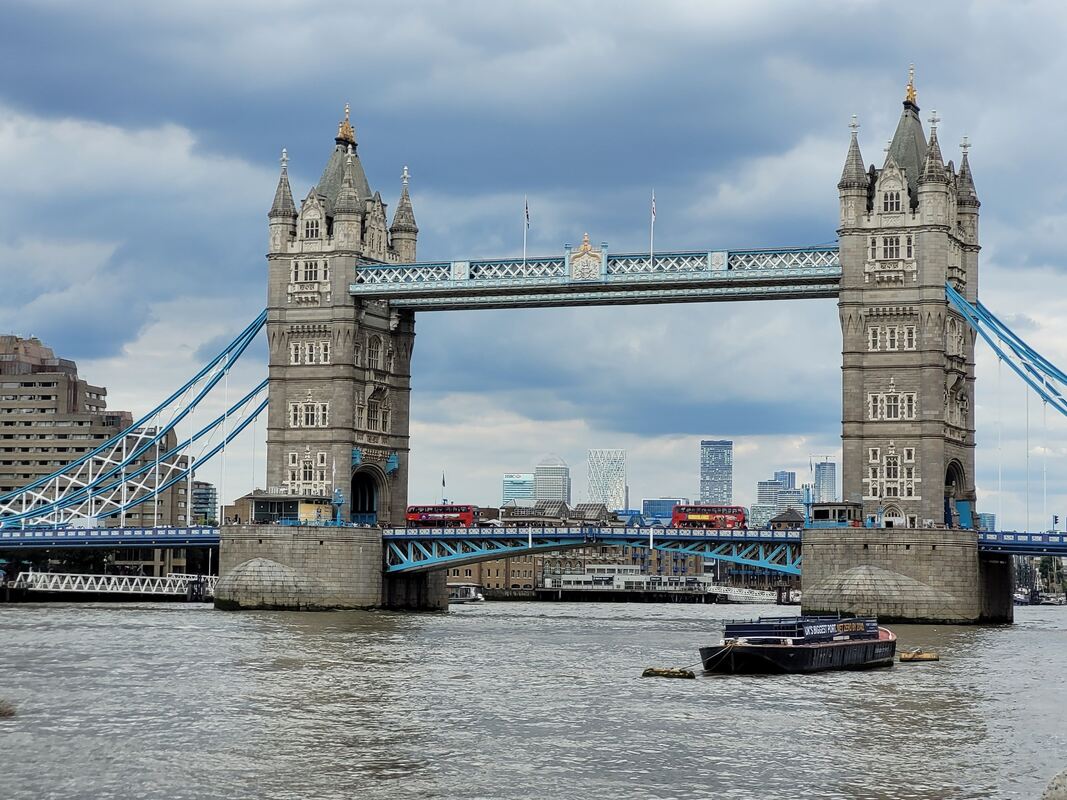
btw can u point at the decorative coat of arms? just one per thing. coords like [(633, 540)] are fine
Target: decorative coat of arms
[(585, 261)]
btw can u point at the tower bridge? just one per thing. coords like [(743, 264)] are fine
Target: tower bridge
[(343, 288)]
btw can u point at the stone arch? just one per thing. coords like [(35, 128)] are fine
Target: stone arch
[(893, 517), (368, 502), (955, 491)]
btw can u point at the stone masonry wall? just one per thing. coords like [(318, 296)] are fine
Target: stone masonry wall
[(273, 566), (928, 575)]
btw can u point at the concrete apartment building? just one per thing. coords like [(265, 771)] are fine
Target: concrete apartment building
[(50, 417)]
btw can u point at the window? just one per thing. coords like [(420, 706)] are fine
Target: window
[(872, 472), (892, 406), (312, 353), (307, 473), (891, 337), (875, 338), (385, 420), (909, 337), (356, 353), (909, 405), (892, 467), (295, 276), (309, 415), (874, 454), (909, 250), (311, 229), (311, 269), (909, 454), (890, 247), (874, 248), (294, 459), (374, 353), (324, 352), (373, 415), (294, 352), (320, 459), (891, 201), (326, 268)]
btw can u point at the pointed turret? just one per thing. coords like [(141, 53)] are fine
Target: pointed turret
[(933, 164), (348, 201), (967, 194), (348, 208), (908, 147), (853, 176), (283, 206), (404, 231)]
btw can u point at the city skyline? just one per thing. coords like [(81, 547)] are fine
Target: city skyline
[(194, 220)]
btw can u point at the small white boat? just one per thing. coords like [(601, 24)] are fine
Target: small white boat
[(465, 593)]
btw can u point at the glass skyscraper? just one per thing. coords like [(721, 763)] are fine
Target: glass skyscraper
[(552, 480), (787, 479), (607, 478), (517, 486), (825, 482), (717, 471)]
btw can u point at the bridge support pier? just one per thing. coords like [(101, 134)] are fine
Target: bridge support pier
[(905, 575), (315, 568)]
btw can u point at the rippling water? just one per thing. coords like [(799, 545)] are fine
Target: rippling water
[(507, 700)]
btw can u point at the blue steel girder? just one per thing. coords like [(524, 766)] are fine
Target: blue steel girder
[(622, 279), (79, 538), (414, 550)]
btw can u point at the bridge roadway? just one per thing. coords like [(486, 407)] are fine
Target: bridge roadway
[(424, 549)]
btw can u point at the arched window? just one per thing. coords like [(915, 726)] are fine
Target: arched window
[(374, 353), (311, 229), (891, 201)]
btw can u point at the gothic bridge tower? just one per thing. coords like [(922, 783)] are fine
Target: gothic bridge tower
[(339, 368), (908, 359)]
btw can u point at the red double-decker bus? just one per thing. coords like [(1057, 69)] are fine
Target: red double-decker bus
[(719, 517), (444, 516)]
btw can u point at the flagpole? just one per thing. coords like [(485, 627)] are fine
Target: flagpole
[(525, 225), (652, 233)]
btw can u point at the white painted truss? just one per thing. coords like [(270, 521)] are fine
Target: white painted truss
[(171, 584)]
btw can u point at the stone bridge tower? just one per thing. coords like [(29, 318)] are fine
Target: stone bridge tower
[(908, 359), (339, 368)]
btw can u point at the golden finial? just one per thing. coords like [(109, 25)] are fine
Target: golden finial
[(344, 129), (909, 94)]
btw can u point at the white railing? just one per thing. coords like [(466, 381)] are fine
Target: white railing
[(171, 584)]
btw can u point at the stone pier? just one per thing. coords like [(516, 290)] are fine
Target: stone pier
[(905, 575), (311, 568)]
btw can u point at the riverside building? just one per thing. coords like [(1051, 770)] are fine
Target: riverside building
[(50, 417)]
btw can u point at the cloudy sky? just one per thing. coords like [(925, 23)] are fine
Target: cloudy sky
[(138, 158)]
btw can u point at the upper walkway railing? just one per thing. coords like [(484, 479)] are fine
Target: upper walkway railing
[(595, 277)]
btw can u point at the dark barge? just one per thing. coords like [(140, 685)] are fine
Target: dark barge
[(800, 644)]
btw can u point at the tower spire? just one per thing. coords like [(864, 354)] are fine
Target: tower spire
[(933, 165), (853, 176), (283, 205), (347, 197), (909, 91), (967, 194)]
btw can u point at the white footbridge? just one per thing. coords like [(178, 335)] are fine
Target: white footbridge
[(171, 585)]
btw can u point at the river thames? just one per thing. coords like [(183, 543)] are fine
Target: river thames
[(508, 700)]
